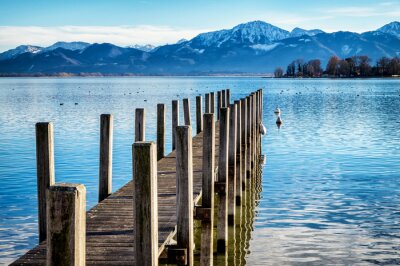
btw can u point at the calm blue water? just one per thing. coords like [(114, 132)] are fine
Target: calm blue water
[(331, 184)]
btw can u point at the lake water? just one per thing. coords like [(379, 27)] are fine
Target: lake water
[(330, 185)]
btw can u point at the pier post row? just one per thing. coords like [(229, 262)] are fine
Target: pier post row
[(139, 223)]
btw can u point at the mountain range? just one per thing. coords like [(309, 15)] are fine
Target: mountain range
[(249, 48)]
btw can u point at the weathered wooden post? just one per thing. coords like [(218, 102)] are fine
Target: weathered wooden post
[(184, 187), (106, 143), (222, 184), (186, 112), (212, 103), (160, 131), (223, 99), (244, 142), (140, 124), (228, 97), (219, 103), (207, 103), (199, 115), (44, 170), (232, 165), (66, 225), (249, 145), (175, 121), (238, 152), (145, 203), (207, 224)]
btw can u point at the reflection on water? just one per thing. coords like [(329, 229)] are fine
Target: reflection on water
[(330, 186)]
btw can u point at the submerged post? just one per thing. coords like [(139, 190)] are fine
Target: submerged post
[(140, 120), (244, 141), (199, 117), (186, 112), (238, 152), (66, 225), (222, 225), (106, 143), (232, 165), (175, 121), (45, 171), (160, 131), (206, 254), (248, 137), (212, 103), (145, 203), (184, 186)]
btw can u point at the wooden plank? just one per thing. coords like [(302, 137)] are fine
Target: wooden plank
[(44, 170), (105, 168), (238, 152), (212, 102)]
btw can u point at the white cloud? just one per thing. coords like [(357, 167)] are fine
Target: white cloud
[(12, 36)]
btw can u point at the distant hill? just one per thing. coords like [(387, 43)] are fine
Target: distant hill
[(254, 47)]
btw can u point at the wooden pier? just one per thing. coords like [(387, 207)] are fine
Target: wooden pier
[(150, 219)]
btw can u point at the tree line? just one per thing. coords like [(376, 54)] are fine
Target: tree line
[(355, 66)]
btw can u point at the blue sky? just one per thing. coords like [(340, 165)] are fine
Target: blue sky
[(42, 22)]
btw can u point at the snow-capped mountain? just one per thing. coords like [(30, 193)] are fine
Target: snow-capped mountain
[(256, 32), (297, 32), (392, 28), (73, 46), (20, 50), (145, 48)]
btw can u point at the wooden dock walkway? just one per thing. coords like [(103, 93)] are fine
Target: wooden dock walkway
[(109, 233), (110, 225)]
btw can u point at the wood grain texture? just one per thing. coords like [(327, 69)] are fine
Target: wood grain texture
[(161, 130), (140, 124), (206, 253), (66, 225), (184, 187), (186, 112), (212, 102), (199, 115), (145, 204), (105, 164), (44, 170), (175, 121), (232, 165)]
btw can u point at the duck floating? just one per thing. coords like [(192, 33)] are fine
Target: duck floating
[(279, 121), (277, 110)]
